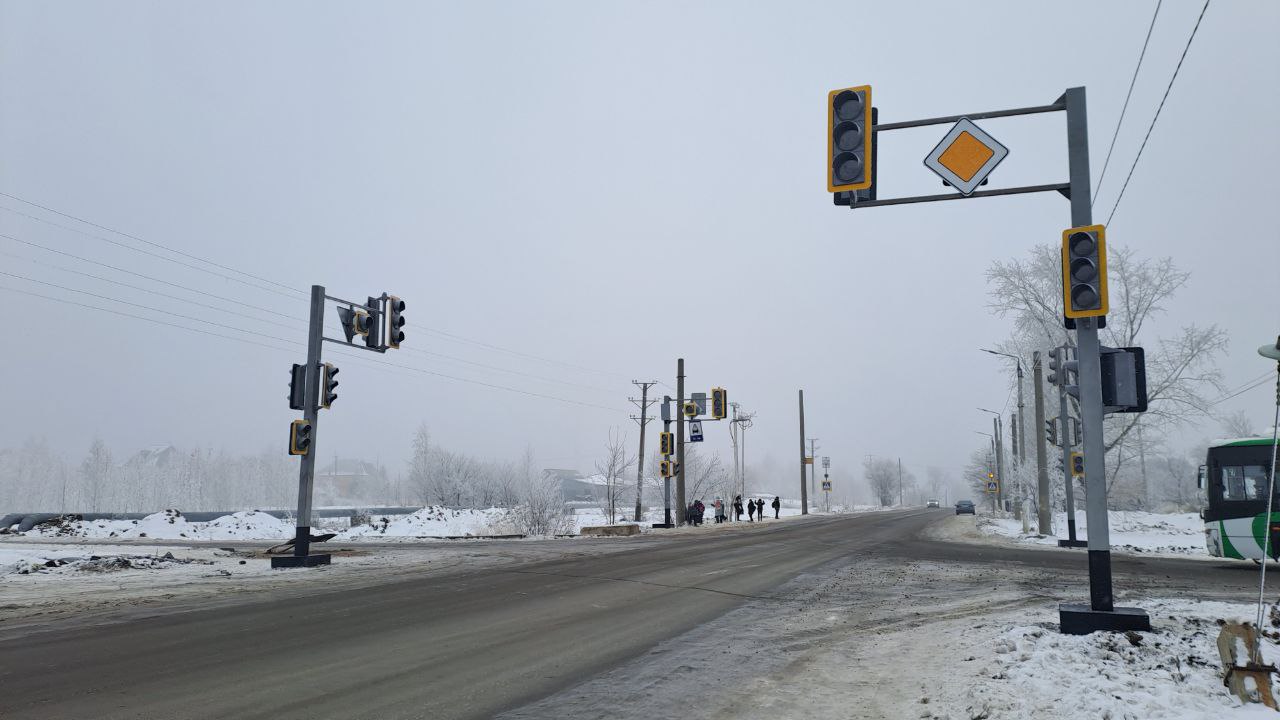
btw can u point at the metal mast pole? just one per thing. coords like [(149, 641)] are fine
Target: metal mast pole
[(1044, 507), (311, 406), (996, 426), (813, 469), (1065, 435), (644, 421), (804, 491), (680, 506)]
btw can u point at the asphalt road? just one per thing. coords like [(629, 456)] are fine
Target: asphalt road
[(472, 644)]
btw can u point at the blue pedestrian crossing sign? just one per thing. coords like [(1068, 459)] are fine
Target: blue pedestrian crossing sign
[(993, 486), (695, 431)]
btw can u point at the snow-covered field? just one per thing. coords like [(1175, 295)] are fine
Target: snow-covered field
[(1132, 531)]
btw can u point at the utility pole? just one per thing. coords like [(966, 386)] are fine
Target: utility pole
[(996, 425), (804, 490), (644, 418), (813, 470), (311, 412), (666, 479), (680, 503), (733, 438), (1044, 507), (1067, 438), (900, 503)]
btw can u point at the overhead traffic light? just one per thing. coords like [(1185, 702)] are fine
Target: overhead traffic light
[(328, 384), (297, 387), (354, 322), (849, 124), (1084, 272), (1077, 464), (691, 409), (299, 437), (719, 403), (667, 443), (395, 321)]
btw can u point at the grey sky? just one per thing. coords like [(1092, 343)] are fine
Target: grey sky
[(607, 185)]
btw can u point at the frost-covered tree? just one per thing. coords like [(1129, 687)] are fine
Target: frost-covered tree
[(611, 468), (882, 477), (95, 474)]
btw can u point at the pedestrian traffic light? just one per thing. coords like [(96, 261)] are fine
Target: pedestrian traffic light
[(719, 403), (395, 321), (691, 409), (299, 437), (667, 468), (1077, 464), (849, 125), (1084, 272), (1051, 430), (667, 443), (328, 384), (297, 387)]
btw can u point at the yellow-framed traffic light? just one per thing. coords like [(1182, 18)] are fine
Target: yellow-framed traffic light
[(849, 139), (691, 409), (1077, 464), (667, 443), (299, 437), (719, 403), (667, 468), (1084, 272)]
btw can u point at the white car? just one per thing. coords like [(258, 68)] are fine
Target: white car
[(932, 504)]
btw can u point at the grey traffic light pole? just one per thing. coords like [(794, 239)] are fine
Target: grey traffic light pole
[(804, 490), (307, 469), (1044, 507), (680, 506), (1101, 613)]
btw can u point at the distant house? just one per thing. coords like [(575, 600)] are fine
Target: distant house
[(156, 456), (346, 478), (573, 485)]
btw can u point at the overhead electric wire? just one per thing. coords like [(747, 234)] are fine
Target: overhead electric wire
[(148, 253), (153, 292), (459, 338), (149, 242), (148, 277), (1256, 382), (505, 370), (1157, 115), (1098, 188)]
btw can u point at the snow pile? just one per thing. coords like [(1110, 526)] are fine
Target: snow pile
[(249, 525), (1135, 531), (1171, 674), (434, 521), (24, 561)]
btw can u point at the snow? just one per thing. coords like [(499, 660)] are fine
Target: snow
[(1132, 531), (435, 521)]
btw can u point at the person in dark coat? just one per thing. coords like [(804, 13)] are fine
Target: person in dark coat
[(737, 508), (751, 510), (777, 506), (760, 508), (699, 510)]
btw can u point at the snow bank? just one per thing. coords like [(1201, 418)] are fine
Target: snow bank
[(170, 525), (1172, 674), (1135, 531), (64, 560), (435, 521)]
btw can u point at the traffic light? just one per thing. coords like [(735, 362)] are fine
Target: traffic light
[(372, 326), (299, 437), (1051, 430), (1076, 435), (1084, 272), (328, 384), (691, 409), (991, 475), (667, 443), (849, 125), (719, 403), (667, 468), (1077, 464), (395, 321), (297, 387), (354, 322)]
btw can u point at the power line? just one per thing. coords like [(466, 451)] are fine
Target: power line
[(505, 370), (148, 253), (459, 338), (1256, 382), (1098, 188), (148, 277), (1157, 115), (149, 242)]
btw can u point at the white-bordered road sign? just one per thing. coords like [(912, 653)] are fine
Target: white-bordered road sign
[(966, 156), (993, 486), (695, 431)]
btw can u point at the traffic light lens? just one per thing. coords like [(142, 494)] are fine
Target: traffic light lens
[(1084, 297), (848, 136), (1083, 270), (848, 167), (848, 105), (1082, 243)]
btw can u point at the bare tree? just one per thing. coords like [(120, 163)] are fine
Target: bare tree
[(700, 472), (615, 463), (882, 476), (1238, 425), (541, 511)]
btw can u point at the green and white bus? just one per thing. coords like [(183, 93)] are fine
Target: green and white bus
[(1234, 478)]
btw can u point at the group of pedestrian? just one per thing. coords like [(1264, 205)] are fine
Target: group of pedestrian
[(755, 508), (693, 514)]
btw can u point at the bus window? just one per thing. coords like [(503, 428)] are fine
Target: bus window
[(1244, 482)]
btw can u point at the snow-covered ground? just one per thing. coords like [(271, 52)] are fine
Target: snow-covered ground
[(1132, 531)]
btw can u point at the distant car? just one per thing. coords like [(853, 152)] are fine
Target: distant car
[(932, 504), (965, 506)]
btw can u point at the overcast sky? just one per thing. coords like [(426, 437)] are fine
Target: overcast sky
[(605, 186)]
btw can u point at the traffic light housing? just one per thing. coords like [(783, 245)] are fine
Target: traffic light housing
[(719, 403), (299, 437), (354, 322), (849, 123), (395, 321), (667, 443), (1051, 430), (691, 409), (667, 468), (297, 387), (328, 384), (1084, 272), (1077, 464)]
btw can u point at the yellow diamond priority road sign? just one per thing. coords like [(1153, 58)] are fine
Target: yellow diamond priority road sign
[(966, 156)]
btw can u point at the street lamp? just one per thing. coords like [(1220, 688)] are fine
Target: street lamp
[(1020, 447), (997, 425)]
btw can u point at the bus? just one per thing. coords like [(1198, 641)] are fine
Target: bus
[(1234, 478)]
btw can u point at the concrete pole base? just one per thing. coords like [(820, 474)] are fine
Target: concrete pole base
[(665, 525), (296, 561), (1073, 543), (1082, 619)]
